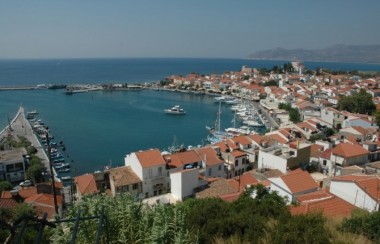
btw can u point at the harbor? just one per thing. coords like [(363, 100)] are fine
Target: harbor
[(26, 125)]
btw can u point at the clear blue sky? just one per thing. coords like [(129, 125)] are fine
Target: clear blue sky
[(176, 28)]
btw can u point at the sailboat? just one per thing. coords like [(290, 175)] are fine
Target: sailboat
[(216, 134), (176, 147)]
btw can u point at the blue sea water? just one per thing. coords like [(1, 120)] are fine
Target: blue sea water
[(134, 70), (100, 128)]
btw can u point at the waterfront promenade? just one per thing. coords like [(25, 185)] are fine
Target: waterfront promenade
[(21, 127)]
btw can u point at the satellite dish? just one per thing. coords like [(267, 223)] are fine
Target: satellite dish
[(267, 90)]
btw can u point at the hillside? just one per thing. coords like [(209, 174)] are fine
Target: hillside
[(336, 53)]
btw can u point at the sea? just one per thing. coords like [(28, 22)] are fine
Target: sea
[(100, 128)]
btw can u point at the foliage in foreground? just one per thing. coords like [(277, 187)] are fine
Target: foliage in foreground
[(367, 224), (129, 222)]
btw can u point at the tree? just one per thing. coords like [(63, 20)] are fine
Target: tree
[(360, 102), (34, 172), (377, 116), (364, 223), (9, 216), (5, 186), (271, 83), (294, 115)]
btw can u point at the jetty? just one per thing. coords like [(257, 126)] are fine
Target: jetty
[(12, 88), (20, 126)]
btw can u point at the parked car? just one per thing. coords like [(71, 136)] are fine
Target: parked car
[(26, 183)]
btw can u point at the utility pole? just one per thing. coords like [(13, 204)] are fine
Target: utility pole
[(51, 172)]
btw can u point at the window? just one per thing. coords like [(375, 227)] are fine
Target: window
[(324, 162), (220, 167), (159, 170), (209, 171), (134, 186), (236, 163)]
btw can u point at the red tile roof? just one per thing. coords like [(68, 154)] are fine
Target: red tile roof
[(183, 158), (209, 156), (238, 153), (369, 183), (326, 154), (256, 138), (314, 196), (279, 138), (330, 207), (299, 181), (216, 188), (245, 179), (86, 184), (150, 158), (349, 150), (123, 176), (44, 203), (315, 150), (242, 140), (8, 203), (24, 192)]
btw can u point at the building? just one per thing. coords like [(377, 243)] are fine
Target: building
[(151, 168), (284, 158), (85, 185), (293, 184), (124, 180), (212, 163), (362, 191), (184, 182), (13, 165), (323, 202), (346, 154)]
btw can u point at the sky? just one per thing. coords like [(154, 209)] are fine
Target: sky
[(175, 28)]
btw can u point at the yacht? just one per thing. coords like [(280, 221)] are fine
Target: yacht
[(175, 110)]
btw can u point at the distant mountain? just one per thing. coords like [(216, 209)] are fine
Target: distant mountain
[(336, 53)]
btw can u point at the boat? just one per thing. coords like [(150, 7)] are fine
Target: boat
[(217, 135), (175, 110), (65, 170), (234, 101), (62, 166), (66, 178), (176, 147)]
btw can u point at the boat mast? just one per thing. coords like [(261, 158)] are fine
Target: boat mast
[(217, 122)]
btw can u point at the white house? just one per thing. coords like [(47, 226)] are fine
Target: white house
[(293, 184), (151, 168), (362, 191), (349, 122), (213, 164), (184, 182), (284, 157)]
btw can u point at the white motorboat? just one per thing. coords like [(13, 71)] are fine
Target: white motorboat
[(175, 110)]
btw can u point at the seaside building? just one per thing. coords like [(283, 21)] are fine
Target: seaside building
[(13, 165), (284, 158), (151, 168), (124, 180)]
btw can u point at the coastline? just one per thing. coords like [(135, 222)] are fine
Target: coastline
[(21, 127)]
